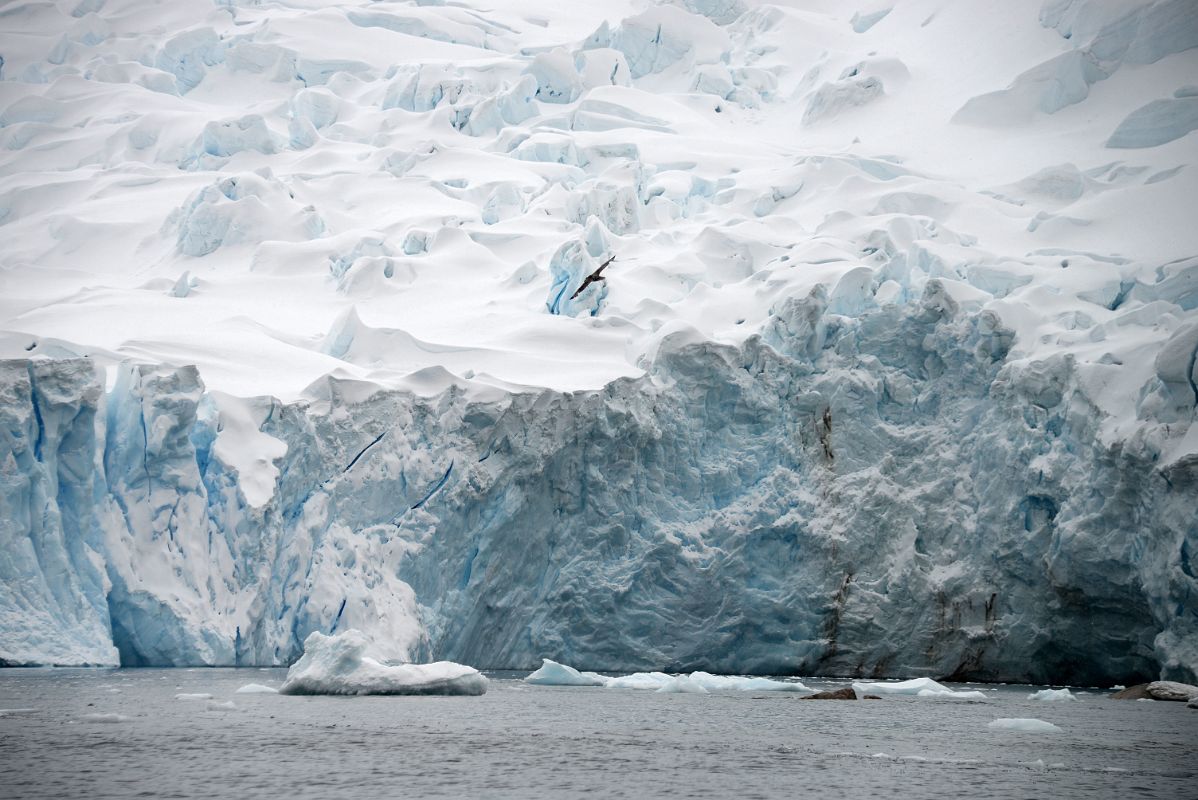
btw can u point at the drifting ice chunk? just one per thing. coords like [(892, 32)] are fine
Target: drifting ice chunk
[(949, 694), (256, 688), (1025, 725), (912, 687), (715, 683), (552, 673), (639, 680), (216, 705), (338, 665), (1052, 695), (193, 696)]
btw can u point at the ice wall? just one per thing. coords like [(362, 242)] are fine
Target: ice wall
[(885, 494)]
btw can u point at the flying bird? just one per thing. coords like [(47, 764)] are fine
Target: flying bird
[(594, 276)]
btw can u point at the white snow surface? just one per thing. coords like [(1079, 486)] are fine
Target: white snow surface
[(902, 325), (339, 664), (370, 191), (1052, 695), (552, 673)]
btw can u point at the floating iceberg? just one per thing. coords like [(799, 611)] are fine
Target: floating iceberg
[(552, 673), (639, 680), (1052, 695), (338, 665), (716, 683), (915, 686), (949, 694), (193, 696), (1023, 724)]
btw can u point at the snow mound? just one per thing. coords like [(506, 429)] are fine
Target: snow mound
[(1156, 123), (339, 665), (1023, 724), (552, 673), (256, 688), (1052, 695)]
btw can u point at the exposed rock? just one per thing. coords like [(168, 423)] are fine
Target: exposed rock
[(1160, 690), (845, 693)]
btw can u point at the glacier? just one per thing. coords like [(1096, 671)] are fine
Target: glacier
[(894, 372), (886, 494)]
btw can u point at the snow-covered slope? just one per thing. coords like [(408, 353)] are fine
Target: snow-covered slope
[(893, 372)]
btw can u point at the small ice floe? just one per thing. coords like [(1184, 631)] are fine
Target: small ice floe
[(256, 688), (339, 665), (109, 718), (552, 673), (1024, 725), (193, 696), (216, 705), (1052, 695), (917, 687)]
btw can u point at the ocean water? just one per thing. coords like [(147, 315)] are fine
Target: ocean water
[(123, 733)]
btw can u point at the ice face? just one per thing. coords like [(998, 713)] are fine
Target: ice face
[(752, 501), (52, 609)]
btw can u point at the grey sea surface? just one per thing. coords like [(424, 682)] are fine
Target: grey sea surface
[(68, 733)]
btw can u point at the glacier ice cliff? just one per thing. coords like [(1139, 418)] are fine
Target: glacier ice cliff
[(886, 494)]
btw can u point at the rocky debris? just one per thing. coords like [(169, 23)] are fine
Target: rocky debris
[(845, 693), (1160, 690)]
